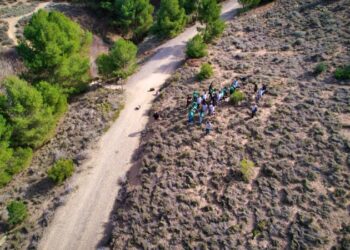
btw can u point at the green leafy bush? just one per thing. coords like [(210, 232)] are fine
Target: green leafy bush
[(247, 169), (61, 170), (237, 97), (213, 30), (208, 11), (320, 68), (206, 71), (342, 73), (55, 49), (196, 48), (17, 211), (121, 60), (171, 19)]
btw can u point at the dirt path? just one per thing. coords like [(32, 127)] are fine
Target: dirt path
[(12, 21), (81, 222), (98, 47)]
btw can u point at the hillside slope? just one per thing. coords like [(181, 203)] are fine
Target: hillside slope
[(186, 191)]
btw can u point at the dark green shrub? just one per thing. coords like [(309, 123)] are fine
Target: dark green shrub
[(121, 60), (249, 3), (206, 72), (17, 211), (342, 73), (213, 30), (171, 19), (208, 11), (190, 6), (196, 48), (133, 15), (61, 170), (247, 169), (320, 68), (237, 97)]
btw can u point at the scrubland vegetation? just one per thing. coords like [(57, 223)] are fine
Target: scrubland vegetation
[(17, 211), (61, 170), (205, 72), (54, 50), (279, 180)]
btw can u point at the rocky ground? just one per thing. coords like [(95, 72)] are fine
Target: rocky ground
[(186, 190), (88, 117)]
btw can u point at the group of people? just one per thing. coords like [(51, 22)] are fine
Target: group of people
[(204, 104)]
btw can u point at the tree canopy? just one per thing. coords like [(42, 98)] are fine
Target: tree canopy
[(190, 6), (55, 49), (121, 60), (208, 11), (171, 19), (28, 115), (25, 109), (134, 15)]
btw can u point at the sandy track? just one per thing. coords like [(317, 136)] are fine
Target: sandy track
[(12, 21), (80, 223)]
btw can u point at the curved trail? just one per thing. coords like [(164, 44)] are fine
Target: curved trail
[(12, 21), (80, 223)]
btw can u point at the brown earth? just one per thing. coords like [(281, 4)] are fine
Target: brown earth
[(186, 191)]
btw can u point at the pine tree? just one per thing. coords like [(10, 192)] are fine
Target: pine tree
[(208, 11), (134, 15), (171, 19), (55, 49)]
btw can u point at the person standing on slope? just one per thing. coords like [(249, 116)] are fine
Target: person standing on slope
[(208, 127), (254, 110)]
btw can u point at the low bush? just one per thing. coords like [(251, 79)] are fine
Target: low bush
[(342, 73), (320, 68), (260, 227), (196, 48), (17, 212), (247, 169), (237, 97), (213, 30), (206, 72), (61, 170)]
